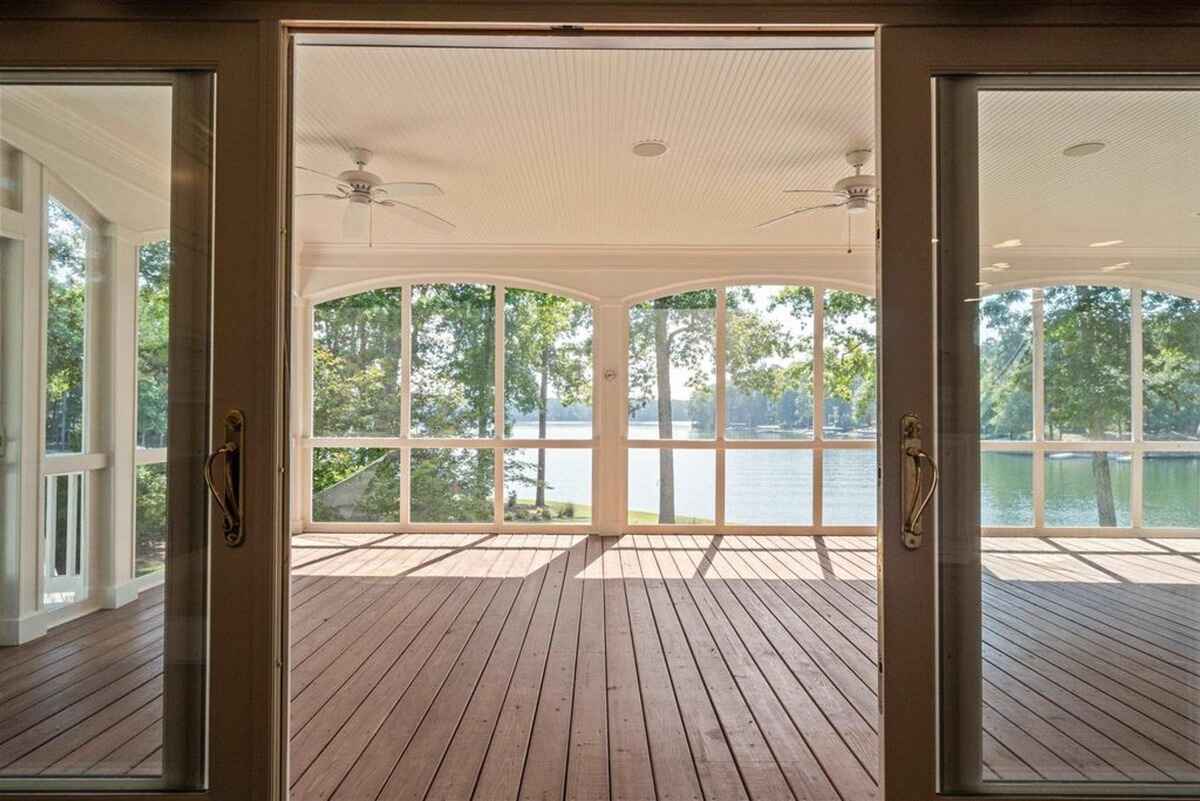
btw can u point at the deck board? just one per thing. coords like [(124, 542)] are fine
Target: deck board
[(543, 666)]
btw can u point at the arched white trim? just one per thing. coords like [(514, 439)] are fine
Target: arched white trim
[(394, 281), (749, 280), (1131, 282)]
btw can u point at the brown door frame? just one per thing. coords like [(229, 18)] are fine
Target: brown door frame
[(908, 285), (245, 585)]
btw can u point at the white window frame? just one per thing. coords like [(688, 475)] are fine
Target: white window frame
[(406, 442), (720, 445), (93, 458), (1136, 446)]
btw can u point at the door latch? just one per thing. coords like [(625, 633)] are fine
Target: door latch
[(229, 498), (914, 453)]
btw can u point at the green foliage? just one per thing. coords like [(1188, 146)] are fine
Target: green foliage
[(683, 327), (453, 353), (850, 386), (1087, 331), (452, 486), (153, 342), (1006, 366), (356, 484), (356, 364), (1171, 366), (66, 320), (151, 517)]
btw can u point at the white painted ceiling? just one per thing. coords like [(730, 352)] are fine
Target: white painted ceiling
[(111, 143), (533, 146), (1143, 188)]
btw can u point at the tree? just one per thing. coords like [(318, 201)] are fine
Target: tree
[(849, 375), (66, 312), (675, 331), (1006, 366), (1171, 365), (1087, 341), (548, 346)]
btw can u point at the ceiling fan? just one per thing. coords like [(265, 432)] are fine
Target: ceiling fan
[(365, 190), (854, 192)]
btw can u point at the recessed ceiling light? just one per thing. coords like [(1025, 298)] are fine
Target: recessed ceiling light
[(1083, 149), (1114, 267), (1106, 243), (1008, 243), (649, 148)]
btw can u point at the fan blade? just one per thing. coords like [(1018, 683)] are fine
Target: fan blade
[(419, 216), (783, 217), (321, 194), (318, 172), (410, 188), (818, 191)]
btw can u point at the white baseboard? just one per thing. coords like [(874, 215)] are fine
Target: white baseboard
[(15, 631)]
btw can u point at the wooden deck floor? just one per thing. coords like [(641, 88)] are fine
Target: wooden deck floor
[(542, 666)]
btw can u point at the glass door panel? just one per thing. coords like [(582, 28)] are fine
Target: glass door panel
[(124, 214), (1070, 594)]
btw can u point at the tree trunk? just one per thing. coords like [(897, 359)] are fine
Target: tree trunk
[(666, 463), (543, 401), (1106, 508)]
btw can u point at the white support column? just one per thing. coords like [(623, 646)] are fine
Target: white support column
[(719, 413), (608, 415), (299, 461), (498, 408), (20, 618), (113, 415), (818, 406), (406, 327), (1039, 409), (1137, 421)]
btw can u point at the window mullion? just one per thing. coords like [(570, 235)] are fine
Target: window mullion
[(1039, 410), (719, 412), (406, 327), (818, 405), (1137, 421), (498, 424)]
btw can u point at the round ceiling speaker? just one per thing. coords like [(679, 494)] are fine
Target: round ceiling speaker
[(649, 148)]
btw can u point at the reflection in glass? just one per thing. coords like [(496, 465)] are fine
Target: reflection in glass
[(672, 365), (1087, 489), (360, 485), (849, 373), (547, 366), (548, 485), (356, 365), (1171, 366), (64, 539), (453, 360), (1087, 333), (66, 321), (768, 362), (1171, 490), (848, 484), (1006, 365), (768, 487), (153, 341), (452, 485), (1006, 491), (672, 486), (150, 518)]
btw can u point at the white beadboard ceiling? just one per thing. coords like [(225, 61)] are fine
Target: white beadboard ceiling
[(533, 146)]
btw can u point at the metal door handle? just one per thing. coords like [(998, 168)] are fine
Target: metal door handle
[(229, 498), (910, 443)]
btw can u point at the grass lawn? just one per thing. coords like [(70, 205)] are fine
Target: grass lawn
[(583, 514)]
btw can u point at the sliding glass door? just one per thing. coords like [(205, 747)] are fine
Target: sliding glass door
[(128, 269), (1040, 617)]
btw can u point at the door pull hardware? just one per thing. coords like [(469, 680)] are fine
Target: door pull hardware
[(910, 446), (229, 498)]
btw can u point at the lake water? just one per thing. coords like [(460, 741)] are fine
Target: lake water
[(775, 486)]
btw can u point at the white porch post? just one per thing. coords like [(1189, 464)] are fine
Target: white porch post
[(608, 461), (114, 413), (20, 387)]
